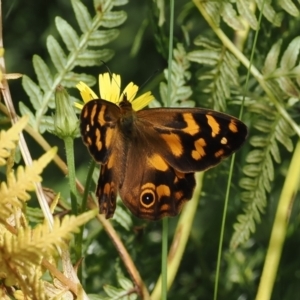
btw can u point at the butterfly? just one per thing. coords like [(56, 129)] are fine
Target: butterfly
[(150, 156)]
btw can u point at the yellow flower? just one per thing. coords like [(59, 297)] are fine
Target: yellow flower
[(109, 90)]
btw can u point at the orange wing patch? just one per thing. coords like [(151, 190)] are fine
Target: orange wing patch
[(157, 162), (219, 153), (199, 152), (232, 126), (101, 119), (111, 161), (98, 141), (214, 125), (174, 143), (93, 113), (163, 190), (108, 137), (192, 127)]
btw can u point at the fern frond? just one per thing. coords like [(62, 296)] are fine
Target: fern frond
[(122, 292), (180, 92), (21, 254), (222, 72), (259, 170), (232, 12), (17, 187), (287, 72), (9, 139), (80, 51)]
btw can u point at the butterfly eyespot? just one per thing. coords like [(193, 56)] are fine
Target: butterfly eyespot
[(147, 198)]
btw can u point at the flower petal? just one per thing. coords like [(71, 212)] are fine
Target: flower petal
[(142, 101), (130, 91), (109, 87), (86, 93), (78, 105)]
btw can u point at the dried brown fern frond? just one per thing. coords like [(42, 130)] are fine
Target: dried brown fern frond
[(15, 190), (9, 138), (22, 252)]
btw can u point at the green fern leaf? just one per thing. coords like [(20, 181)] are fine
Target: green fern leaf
[(290, 56), (113, 19), (180, 92), (71, 79), (222, 75), (269, 12), (244, 10), (82, 15), (25, 111), (289, 7), (230, 17), (57, 54), (33, 90), (102, 37), (259, 171), (272, 58), (43, 73), (91, 57), (67, 33), (213, 8), (123, 217)]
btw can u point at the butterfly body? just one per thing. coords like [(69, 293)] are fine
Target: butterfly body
[(149, 156)]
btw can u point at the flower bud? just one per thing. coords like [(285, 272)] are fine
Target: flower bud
[(65, 119)]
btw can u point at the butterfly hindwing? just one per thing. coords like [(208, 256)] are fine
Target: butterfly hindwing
[(107, 192), (152, 189)]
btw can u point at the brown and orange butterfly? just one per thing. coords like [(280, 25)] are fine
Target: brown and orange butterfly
[(150, 156)]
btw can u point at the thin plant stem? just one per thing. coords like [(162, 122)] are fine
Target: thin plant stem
[(180, 238), (164, 261), (279, 229), (69, 145), (231, 172), (85, 195)]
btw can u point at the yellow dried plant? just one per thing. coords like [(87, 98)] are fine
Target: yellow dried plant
[(25, 252)]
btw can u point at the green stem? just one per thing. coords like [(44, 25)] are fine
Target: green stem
[(164, 260), (89, 179), (69, 144), (79, 239), (180, 239), (225, 210), (289, 191)]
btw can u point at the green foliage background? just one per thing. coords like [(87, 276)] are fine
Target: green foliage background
[(142, 54)]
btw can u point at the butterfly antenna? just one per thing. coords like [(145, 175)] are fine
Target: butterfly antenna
[(150, 78), (147, 80), (106, 65)]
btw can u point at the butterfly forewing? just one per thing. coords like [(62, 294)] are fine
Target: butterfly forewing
[(97, 127), (195, 139)]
